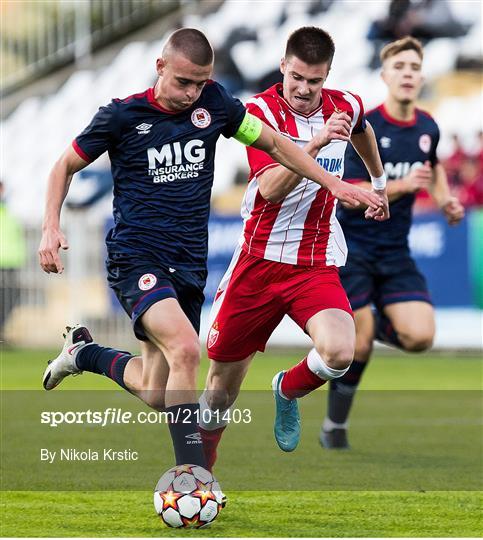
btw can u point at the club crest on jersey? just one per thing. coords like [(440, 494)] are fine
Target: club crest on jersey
[(425, 142), (144, 128), (201, 118), (147, 282), (213, 335), (385, 142)]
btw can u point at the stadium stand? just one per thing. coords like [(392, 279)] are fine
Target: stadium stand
[(60, 116), (38, 130)]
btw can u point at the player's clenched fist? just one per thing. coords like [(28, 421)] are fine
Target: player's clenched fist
[(453, 211), (52, 240), (382, 213), (419, 178), (338, 126)]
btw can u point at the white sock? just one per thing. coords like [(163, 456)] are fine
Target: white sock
[(211, 419), (278, 387), (328, 425), (317, 365)]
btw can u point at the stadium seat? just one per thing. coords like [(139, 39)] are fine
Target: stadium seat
[(59, 117)]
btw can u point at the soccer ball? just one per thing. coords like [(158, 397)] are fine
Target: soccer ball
[(187, 496)]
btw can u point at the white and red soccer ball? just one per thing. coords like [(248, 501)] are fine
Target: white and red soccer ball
[(188, 496)]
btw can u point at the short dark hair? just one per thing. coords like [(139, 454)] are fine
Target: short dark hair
[(310, 44), (407, 43), (192, 44)]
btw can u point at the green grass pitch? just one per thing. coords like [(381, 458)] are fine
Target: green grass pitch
[(414, 398)]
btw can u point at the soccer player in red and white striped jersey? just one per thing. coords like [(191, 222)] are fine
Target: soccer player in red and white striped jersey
[(298, 227), (292, 245)]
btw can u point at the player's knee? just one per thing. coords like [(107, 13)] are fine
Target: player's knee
[(338, 356), (416, 341), (185, 355)]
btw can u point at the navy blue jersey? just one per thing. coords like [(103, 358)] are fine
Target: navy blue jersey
[(162, 165), (402, 145)]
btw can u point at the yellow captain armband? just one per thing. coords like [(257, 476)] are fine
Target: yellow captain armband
[(249, 129)]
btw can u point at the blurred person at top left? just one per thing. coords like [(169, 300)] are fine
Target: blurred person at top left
[(13, 256), (161, 144)]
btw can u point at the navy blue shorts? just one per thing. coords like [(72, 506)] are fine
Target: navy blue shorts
[(139, 285), (382, 281)]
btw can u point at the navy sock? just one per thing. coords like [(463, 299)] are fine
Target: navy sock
[(185, 433), (104, 361), (342, 391), (385, 331)]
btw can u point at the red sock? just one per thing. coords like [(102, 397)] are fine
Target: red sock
[(211, 439), (298, 381)]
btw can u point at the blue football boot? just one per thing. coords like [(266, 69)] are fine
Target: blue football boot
[(287, 418)]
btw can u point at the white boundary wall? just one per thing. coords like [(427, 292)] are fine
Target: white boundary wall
[(48, 302)]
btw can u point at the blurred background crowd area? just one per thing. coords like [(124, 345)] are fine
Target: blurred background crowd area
[(62, 59)]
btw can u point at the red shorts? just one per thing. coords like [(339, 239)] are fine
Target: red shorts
[(255, 295)]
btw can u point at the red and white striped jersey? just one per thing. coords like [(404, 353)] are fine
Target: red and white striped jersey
[(301, 229)]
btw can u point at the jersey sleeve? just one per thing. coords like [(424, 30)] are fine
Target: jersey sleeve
[(98, 136), (360, 124), (235, 111), (354, 168), (258, 161)]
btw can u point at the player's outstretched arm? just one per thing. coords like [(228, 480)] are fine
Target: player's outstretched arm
[(276, 183), (294, 158), (452, 209), (58, 185), (365, 145)]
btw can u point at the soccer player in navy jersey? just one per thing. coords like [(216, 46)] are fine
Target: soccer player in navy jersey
[(161, 144), (380, 271)]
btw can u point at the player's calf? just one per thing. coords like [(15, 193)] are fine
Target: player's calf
[(311, 373), (223, 384), (187, 440), (213, 421), (104, 361), (363, 349), (333, 433), (154, 398), (217, 400)]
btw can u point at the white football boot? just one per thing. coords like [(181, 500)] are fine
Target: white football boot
[(76, 338)]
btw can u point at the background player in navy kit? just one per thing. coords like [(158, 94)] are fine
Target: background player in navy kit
[(161, 144), (379, 268)]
